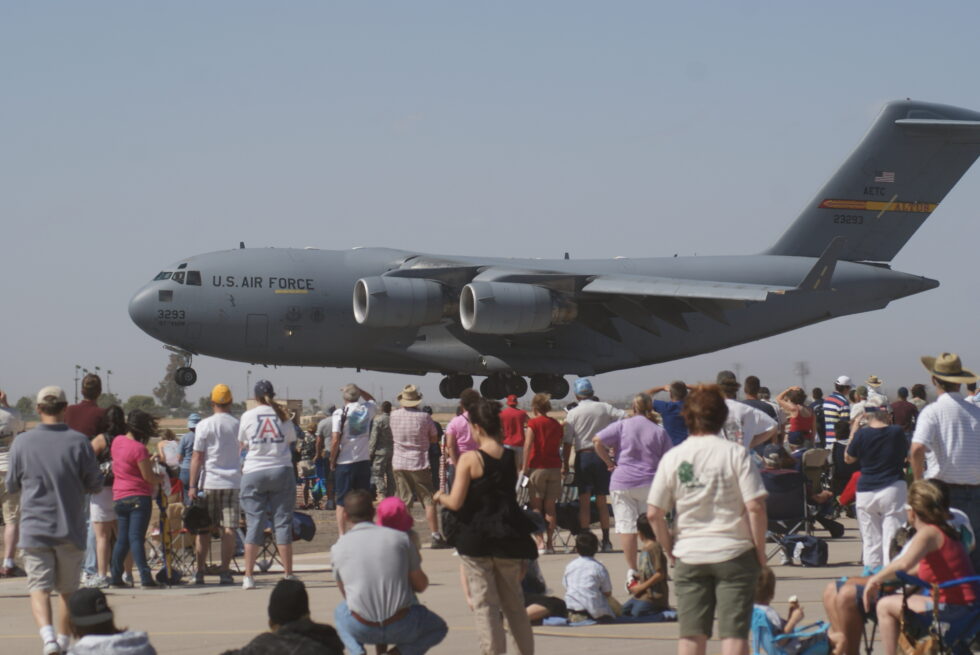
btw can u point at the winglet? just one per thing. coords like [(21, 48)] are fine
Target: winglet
[(818, 279)]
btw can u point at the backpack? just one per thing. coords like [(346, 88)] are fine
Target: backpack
[(303, 527), (358, 420), (811, 551)]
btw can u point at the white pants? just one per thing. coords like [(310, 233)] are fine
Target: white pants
[(880, 514)]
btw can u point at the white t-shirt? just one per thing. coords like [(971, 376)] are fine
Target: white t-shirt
[(10, 426), (217, 437), (356, 436), (586, 584), (586, 420), (745, 422), (267, 438), (708, 479)]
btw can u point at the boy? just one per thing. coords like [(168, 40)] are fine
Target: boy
[(649, 586), (587, 584)]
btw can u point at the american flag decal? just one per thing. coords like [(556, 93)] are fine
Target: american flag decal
[(885, 176)]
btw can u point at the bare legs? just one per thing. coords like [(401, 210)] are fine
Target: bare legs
[(104, 531)]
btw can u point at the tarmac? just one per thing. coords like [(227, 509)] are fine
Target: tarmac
[(212, 618)]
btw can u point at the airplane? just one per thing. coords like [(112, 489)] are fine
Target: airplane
[(509, 319)]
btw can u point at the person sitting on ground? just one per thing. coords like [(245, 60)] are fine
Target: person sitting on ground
[(290, 628), (649, 586), (765, 591), (587, 584), (537, 603), (93, 626)]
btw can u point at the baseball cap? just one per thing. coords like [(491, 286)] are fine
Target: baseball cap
[(843, 381), (512, 400), (392, 513), (51, 392), (89, 607), (221, 394), (193, 420), (264, 388), (583, 387), (288, 602)]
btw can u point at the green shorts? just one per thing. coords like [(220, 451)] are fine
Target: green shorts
[(727, 586)]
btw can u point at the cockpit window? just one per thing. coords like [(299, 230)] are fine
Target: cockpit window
[(163, 275), (194, 278), (179, 277), (182, 266)]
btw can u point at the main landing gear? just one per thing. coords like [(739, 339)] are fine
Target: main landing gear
[(500, 385), (184, 376)]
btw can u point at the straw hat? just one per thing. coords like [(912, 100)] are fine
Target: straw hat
[(409, 396), (874, 381), (949, 368)]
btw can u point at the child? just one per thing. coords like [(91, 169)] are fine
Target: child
[(649, 585), (587, 584), (392, 513), (765, 590)]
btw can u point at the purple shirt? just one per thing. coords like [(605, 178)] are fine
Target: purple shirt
[(639, 443)]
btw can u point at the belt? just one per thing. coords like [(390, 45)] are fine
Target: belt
[(586, 450), (397, 616), (953, 485)]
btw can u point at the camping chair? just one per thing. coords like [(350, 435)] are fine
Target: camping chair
[(809, 640), (786, 505), (954, 634), (566, 510), (815, 462)]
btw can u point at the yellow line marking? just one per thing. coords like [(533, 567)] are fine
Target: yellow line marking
[(291, 291)]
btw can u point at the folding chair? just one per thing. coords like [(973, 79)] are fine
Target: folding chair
[(809, 640), (815, 461), (567, 517), (786, 505), (955, 634)]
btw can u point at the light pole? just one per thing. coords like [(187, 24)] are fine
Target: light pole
[(248, 379), (77, 369), (108, 374)]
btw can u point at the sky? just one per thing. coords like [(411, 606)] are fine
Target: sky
[(134, 134)]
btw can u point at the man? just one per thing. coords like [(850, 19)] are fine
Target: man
[(836, 407), (817, 408), (876, 399), (592, 475), (751, 389), (10, 427), (53, 468), (217, 451), (349, 446), (86, 417), (412, 430), (324, 437), (291, 630), (904, 413), (186, 450), (670, 410), (380, 448), (513, 421), (946, 443), (746, 425), (378, 572)]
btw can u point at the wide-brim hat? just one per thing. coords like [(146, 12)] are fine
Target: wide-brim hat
[(949, 368), (410, 396), (874, 381)]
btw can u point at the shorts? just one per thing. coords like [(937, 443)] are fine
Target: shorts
[(54, 568), (269, 492), (224, 507), (591, 474), (545, 484), (102, 509), (414, 483), (10, 502), (726, 587), (348, 477), (629, 505)]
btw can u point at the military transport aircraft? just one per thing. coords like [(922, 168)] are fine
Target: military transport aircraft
[(506, 319)]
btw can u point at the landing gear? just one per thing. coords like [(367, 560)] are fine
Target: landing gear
[(555, 385), (453, 385), (503, 384), (500, 385), (185, 376)]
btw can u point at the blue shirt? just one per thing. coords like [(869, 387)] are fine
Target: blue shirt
[(186, 449), (674, 423), (881, 454)]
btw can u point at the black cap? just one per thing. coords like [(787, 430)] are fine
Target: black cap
[(288, 602), (264, 388), (89, 607)]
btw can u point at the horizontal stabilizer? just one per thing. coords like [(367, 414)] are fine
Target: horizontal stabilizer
[(818, 279)]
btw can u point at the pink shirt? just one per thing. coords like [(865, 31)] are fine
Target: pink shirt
[(460, 428), (126, 455)]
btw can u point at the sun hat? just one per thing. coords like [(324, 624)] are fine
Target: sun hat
[(392, 513), (874, 381), (264, 388), (193, 420), (843, 381), (727, 380), (89, 607), (221, 394), (56, 394), (583, 387), (409, 396), (949, 368)]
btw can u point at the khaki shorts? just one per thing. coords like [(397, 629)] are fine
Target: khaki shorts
[(628, 505), (224, 509), (727, 587), (10, 502), (417, 483), (545, 484), (55, 568)]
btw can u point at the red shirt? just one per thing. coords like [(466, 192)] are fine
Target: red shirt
[(546, 445), (951, 562), (86, 417), (513, 421)]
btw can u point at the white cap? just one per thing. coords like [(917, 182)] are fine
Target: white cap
[(843, 381), (51, 392)]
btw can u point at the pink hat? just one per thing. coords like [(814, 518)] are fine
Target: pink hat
[(392, 513)]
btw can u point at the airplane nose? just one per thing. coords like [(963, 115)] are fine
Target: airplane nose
[(142, 308)]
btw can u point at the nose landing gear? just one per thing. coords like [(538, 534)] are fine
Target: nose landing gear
[(184, 376)]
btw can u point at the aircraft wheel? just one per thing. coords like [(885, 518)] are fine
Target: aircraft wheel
[(446, 388), (185, 376), (492, 388), (462, 383), (516, 385), (541, 383), (559, 387)]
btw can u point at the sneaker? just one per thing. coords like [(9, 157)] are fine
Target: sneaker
[(199, 578), (248, 582), (225, 577), (439, 542), (128, 578), (784, 559), (119, 584), (97, 582), (607, 546), (12, 572), (290, 577), (51, 648)]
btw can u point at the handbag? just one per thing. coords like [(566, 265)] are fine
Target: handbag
[(913, 644)]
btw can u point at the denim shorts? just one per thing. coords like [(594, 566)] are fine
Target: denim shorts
[(269, 492)]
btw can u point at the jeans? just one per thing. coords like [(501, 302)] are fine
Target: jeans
[(967, 500), (637, 607), (414, 634), (133, 515), (91, 564), (185, 481)]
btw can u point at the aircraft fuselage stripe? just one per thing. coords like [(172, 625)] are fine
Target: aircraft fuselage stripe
[(880, 206)]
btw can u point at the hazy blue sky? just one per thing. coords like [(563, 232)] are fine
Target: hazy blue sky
[(137, 133)]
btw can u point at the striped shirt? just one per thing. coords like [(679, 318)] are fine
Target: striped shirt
[(411, 432), (835, 408), (950, 430)]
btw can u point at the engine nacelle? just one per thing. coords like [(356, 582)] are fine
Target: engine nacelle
[(398, 302), (512, 308)]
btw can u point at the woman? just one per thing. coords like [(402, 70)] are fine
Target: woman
[(880, 450), (168, 450), (801, 419), (494, 534), (542, 464), (719, 536), (458, 437), (935, 554), (101, 511), (639, 443), (268, 480), (132, 489)]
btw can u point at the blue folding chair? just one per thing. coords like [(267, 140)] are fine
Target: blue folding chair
[(954, 634), (809, 640)]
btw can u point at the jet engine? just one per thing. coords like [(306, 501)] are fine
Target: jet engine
[(512, 308), (399, 302)]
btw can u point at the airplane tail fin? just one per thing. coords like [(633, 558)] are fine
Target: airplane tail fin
[(914, 153)]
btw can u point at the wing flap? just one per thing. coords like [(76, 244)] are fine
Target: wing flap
[(637, 285)]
